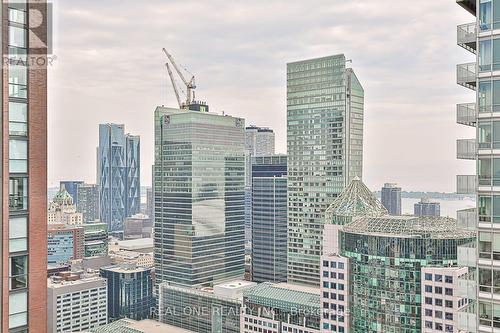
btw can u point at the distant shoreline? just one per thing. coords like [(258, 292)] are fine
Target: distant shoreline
[(432, 195)]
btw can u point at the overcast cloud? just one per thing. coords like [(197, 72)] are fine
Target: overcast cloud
[(110, 68)]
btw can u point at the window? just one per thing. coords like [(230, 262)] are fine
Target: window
[(428, 300), (333, 264), (18, 234), (341, 265), (438, 302), (485, 15), (428, 277), (485, 55), (428, 312), (18, 309), (325, 263), (448, 291), (438, 278), (438, 290), (17, 36), (18, 193), (438, 314), (428, 289), (18, 119), (448, 316), (18, 81), (18, 270), (18, 156)]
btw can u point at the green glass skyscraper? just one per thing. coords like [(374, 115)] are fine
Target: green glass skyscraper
[(325, 103), (199, 184)]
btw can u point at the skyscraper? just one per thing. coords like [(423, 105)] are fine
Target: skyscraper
[(199, 182), (24, 168), (88, 202), (259, 141), (118, 175), (391, 198), (325, 150), (427, 208), (269, 218), (482, 285)]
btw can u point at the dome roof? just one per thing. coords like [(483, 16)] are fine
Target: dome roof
[(355, 200)]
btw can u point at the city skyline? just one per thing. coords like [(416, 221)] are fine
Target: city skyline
[(138, 85)]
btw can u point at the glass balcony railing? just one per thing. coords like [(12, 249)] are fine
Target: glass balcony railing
[(466, 184), (466, 75), (467, 114), (466, 255), (467, 321), (467, 287), (466, 149), (467, 219), (466, 36)]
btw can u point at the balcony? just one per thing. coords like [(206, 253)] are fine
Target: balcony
[(466, 36), (466, 114), (467, 322), (466, 149), (466, 75), (467, 219), (466, 255), (468, 5), (466, 184)]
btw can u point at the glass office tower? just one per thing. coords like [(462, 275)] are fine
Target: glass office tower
[(118, 175), (482, 39), (269, 218), (325, 150), (199, 185)]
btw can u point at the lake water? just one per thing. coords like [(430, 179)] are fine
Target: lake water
[(448, 207)]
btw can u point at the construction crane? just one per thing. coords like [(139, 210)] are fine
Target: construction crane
[(190, 85)]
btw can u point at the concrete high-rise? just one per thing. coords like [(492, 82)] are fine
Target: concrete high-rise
[(427, 208), (76, 302), (23, 283), (269, 218), (391, 198), (325, 103), (259, 141), (199, 182), (118, 175)]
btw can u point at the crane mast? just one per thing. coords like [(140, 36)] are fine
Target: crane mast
[(190, 85)]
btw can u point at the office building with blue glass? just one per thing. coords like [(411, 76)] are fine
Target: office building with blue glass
[(118, 175), (269, 218)]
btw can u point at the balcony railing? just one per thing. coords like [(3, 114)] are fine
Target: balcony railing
[(466, 184), (467, 219), (467, 287), (466, 149), (467, 322), (466, 114), (466, 255), (466, 36), (466, 75)]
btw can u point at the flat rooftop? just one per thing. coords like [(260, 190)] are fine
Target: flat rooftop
[(143, 326), (134, 244)]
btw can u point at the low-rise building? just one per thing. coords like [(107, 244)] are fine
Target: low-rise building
[(76, 302), (144, 245), (281, 307), (130, 291), (203, 310), (96, 239), (143, 326), (131, 257), (138, 226), (64, 243)]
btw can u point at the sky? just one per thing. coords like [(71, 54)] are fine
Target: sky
[(109, 67)]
